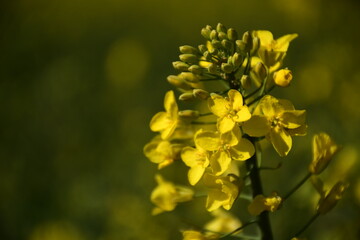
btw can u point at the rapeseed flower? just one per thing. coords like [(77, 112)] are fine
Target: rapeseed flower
[(262, 203)]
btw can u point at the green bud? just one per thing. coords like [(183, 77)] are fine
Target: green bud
[(207, 55), (237, 59), (181, 66), (248, 40), (188, 49), (220, 28), (245, 81), (241, 46), (205, 32), (256, 44), (189, 58), (202, 48), (189, 114), (214, 50), (229, 60), (212, 68), (178, 82), (260, 70), (196, 69), (216, 44), (222, 35), (226, 44), (188, 76), (232, 34), (188, 96), (213, 35), (226, 68), (201, 94)]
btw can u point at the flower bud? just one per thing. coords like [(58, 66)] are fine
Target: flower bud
[(213, 35), (222, 35), (189, 58), (237, 59), (248, 41), (232, 34), (188, 49), (282, 77), (245, 81), (187, 96), (227, 68), (226, 44), (256, 44), (181, 66), (188, 76), (189, 114), (241, 46), (178, 82), (323, 151), (196, 69), (212, 68), (202, 48), (205, 32), (220, 27), (216, 44), (201, 94), (207, 55), (260, 70)]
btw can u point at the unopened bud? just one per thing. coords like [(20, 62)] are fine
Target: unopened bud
[(213, 35), (196, 69), (232, 34), (222, 35), (201, 94), (245, 81), (188, 49), (282, 77), (212, 68), (220, 27), (247, 39), (202, 48), (216, 44), (226, 44), (178, 82), (260, 70), (188, 76), (237, 59), (226, 68), (181, 66), (241, 46), (187, 96), (256, 44), (190, 114), (207, 55), (205, 32), (189, 58)]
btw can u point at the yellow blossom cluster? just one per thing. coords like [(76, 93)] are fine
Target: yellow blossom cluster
[(229, 79)]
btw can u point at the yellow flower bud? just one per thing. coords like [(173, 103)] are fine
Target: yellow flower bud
[(282, 77), (188, 76), (188, 96), (205, 32), (237, 59), (245, 81), (196, 69), (188, 49), (227, 68), (213, 35), (178, 82), (189, 58), (201, 94), (222, 35), (260, 70), (189, 114), (202, 48), (220, 28), (181, 66), (248, 41), (232, 34), (323, 150), (226, 44)]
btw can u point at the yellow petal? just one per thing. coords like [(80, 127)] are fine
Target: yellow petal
[(257, 205), (266, 37), (282, 43), (243, 150), (189, 156), (300, 131), (170, 103), (167, 132), (195, 174), (218, 105), (257, 126), (293, 119), (267, 105), (286, 104), (215, 199), (220, 162), (160, 121), (231, 138), (243, 114), (209, 141), (281, 141), (236, 99), (225, 124)]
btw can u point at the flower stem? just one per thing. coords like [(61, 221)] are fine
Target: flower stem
[(257, 189), (297, 186), (238, 229)]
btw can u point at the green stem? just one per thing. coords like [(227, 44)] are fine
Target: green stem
[(238, 229), (297, 186), (257, 189), (312, 219)]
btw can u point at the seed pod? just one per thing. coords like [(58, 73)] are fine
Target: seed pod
[(201, 94), (181, 66), (188, 96), (245, 81), (196, 69), (232, 34), (188, 49), (227, 68), (189, 58)]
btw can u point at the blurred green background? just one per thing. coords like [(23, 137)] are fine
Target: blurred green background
[(80, 80)]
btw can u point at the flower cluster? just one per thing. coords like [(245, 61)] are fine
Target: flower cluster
[(229, 80)]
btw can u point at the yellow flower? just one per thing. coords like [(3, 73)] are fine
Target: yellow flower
[(273, 51), (166, 195), (323, 150), (228, 110), (162, 152), (261, 203), (226, 147), (223, 222), (282, 77), (197, 159), (195, 235), (166, 122), (222, 192), (278, 120)]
